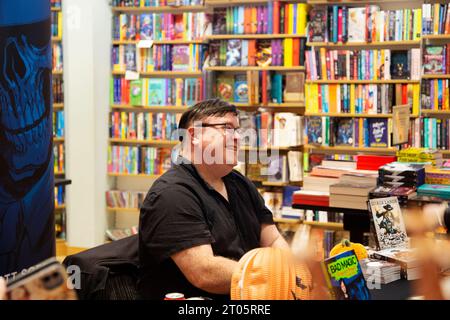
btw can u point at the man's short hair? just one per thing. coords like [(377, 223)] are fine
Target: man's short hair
[(204, 109)]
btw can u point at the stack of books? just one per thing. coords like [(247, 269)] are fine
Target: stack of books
[(434, 190), (420, 155), (405, 258), (372, 162), (350, 195), (380, 271)]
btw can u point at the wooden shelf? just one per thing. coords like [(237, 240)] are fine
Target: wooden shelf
[(134, 175), (123, 209), (445, 37), (166, 9), (57, 73), (355, 2), (344, 149), (56, 39), (59, 173), (58, 106), (58, 140), (436, 113), (159, 42), (255, 68), (287, 220), (166, 109), (160, 143), (363, 81), (56, 9), (330, 225), (247, 148), (298, 108), (365, 44), (253, 36), (60, 207), (281, 184), (347, 115), (436, 76), (167, 74)]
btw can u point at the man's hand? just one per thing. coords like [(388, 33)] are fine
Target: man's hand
[(2, 288), (434, 215), (204, 270)]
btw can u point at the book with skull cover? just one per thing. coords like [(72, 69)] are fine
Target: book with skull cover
[(388, 221)]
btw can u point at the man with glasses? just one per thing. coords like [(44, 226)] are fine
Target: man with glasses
[(201, 216)]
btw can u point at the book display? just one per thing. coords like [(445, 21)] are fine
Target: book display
[(256, 61), (157, 56)]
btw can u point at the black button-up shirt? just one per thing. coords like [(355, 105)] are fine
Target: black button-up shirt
[(181, 211)]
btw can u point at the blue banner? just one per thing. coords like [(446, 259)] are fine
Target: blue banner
[(27, 232)]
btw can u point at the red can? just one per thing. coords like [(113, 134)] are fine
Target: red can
[(174, 296)]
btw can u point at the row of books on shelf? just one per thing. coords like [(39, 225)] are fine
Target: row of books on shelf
[(155, 3), (58, 124), (125, 199), (263, 53), (435, 94), (143, 125), (265, 129), (59, 195), (138, 160), (272, 18), (436, 59), (56, 25), (57, 57), (356, 132), (384, 64), (286, 168), (55, 3), (363, 24), (58, 158), (256, 87), (58, 90), (189, 57), (436, 18), (361, 98), (161, 26), (436, 133), (156, 91)]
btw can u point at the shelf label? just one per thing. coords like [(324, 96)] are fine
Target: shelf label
[(145, 44), (131, 75)]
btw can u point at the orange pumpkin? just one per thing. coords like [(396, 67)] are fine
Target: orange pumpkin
[(346, 245), (271, 274)]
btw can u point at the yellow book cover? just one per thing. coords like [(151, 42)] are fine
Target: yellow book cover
[(124, 125), (436, 90), (416, 99), (361, 132), (375, 64), (254, 19), (352, 98), (145, 91), (302, 13), (417, 24), (323, 62), (288, 43), (60, 26), (332, 99), (308, 103), (445, 95), (315, 98), (437, 7), (291, 19)]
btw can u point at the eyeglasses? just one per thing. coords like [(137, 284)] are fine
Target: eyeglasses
[(228, 127)]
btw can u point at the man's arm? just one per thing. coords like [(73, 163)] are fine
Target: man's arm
[(271, 237), (204, 270)]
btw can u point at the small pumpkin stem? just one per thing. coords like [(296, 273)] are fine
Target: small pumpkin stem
[(346, 243)]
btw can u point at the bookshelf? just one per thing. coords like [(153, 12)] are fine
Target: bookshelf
[(397, 81), (158, 70), (326, 225), (268, 68), (58, 117), (374, 44), (253, 36), (166, 109), (349, 150)]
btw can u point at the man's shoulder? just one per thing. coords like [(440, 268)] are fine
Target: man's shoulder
[(174, 180)]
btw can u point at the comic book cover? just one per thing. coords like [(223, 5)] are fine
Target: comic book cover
[(378, 132), (146, 32), (433, 60), (233, 53), (344, 131), (314, 130), (388, 221), (318, 25), (345, 278)]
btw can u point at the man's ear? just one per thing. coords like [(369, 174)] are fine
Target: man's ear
[(191, 135)]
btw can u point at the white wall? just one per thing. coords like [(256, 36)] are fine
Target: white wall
[(86, 50)]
